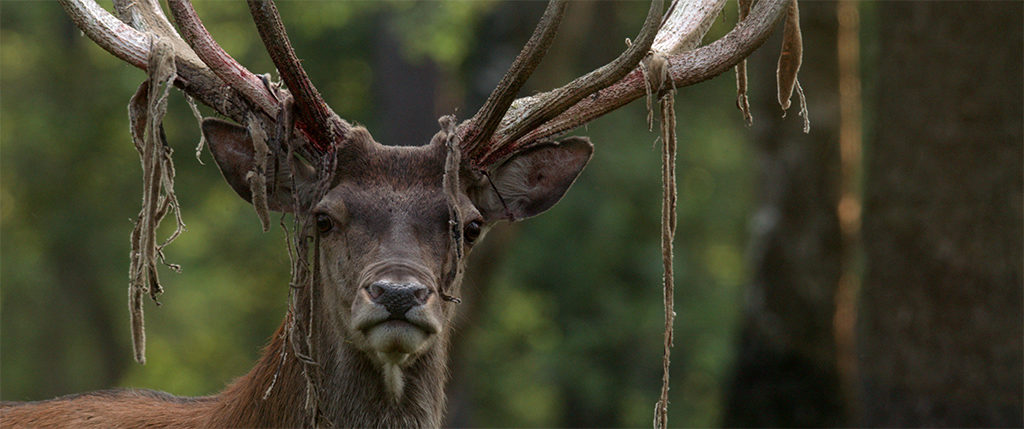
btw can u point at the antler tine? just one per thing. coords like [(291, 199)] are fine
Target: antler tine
[(551, 104), (325, 127), (686, 67), (222, 64), (483, 124)]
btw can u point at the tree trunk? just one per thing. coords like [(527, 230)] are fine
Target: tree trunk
[(940, 310), (786, 374), (405, 92)]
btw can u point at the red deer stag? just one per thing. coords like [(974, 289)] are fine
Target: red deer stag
[(365, 341)]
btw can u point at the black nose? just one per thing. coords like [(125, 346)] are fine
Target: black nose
[(398, 298)]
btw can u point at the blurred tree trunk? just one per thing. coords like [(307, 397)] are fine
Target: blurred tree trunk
[(498, 41), (785, 373), (482, 268), (502, 33), (940, 314), (405, 92), (87, 309)]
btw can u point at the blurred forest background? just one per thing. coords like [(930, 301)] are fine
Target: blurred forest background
[(866, 273)]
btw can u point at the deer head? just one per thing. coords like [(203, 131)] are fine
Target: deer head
[(384, 228), (387, 228)]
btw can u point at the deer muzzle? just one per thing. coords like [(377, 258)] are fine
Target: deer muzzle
[(396, 314)]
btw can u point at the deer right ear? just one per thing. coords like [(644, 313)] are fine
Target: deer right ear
[(530, 182), (232, 149)]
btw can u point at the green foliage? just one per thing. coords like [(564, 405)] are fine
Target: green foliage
[(569, 330), (441, 31)]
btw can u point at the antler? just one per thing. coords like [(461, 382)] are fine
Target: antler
[(223, 65), (487, 118), (206, 72), (323, 124), (550, 104), (132, 44), (142, 36), (533, 119)]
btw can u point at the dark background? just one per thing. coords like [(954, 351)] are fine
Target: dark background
[(866, 273)]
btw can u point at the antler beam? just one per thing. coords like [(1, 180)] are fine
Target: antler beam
[(124, 42), (206, 72), (687, 68), (133, 47)]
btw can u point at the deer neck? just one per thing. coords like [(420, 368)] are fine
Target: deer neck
[(355, 392), (352, 391)]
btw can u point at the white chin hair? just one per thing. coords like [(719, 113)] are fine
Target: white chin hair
[(393, 379), (394, 341)]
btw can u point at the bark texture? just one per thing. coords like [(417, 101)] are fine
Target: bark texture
[(786, 373), (940, 310)]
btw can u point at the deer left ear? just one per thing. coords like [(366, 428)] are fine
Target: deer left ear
[(232, 149), (532, 181)]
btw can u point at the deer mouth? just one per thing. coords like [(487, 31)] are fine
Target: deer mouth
[(397, 323), (395, 338)]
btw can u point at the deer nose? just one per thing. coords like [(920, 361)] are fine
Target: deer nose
[(398, 298)]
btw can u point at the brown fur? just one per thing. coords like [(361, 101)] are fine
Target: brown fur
[(356, 397), (108, 409)]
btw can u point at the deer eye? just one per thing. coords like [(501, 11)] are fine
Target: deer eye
[(472, 231), (324, 224)]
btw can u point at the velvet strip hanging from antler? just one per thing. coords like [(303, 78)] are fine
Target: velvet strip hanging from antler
[(146, 111), (655, 67)]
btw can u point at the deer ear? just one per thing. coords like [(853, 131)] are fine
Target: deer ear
[(531, 182), (232, 149)]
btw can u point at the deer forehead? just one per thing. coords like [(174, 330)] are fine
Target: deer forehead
[(384, 205), (399, 167), (391, 190), (382, 222)]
